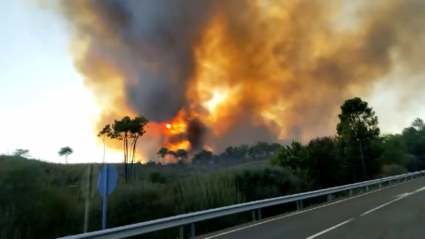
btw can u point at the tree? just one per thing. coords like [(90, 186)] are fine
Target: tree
[(260, 149), (242, 151), (357, 120), (292, 156), (323, 165), (181, 154), (203, 156), (105, 132), (24, 153), (231, 151), (65, 151), (235, 154), (129, 131), (172, 153), (162, 152), (274, 147), (394, 151), (414, 139), (318, 160), (356, 132), (418, 124)]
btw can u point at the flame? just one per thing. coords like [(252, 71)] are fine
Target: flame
[(216, 99), (177, 126)]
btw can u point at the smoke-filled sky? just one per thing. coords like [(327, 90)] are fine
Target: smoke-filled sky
[(228, 72)]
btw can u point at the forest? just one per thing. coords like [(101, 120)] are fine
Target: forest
[(45, 200)]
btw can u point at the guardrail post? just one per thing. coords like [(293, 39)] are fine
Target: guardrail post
[(300, 205), (192, 230), (380, 184), (181, 233), (390, 182), (367, 188), (329, 197), (259, 213), (253, 215), (350, 192)]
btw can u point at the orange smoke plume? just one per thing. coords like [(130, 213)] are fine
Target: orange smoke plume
[(212, 73)]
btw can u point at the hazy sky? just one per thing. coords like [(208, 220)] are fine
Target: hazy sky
[(44, 105)]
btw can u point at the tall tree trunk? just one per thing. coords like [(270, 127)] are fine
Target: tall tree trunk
[(130, 160), (133, 153), (125, 159), (104, 149)]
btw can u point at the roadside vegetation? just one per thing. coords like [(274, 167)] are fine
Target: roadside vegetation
[(45, 200)]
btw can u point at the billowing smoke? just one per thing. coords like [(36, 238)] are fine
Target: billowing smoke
[(238, 71)]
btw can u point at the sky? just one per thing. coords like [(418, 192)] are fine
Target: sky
[(44, 103), (45, 106)]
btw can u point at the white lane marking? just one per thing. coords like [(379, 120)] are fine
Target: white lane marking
[(420, 189), (383, 205), (329, 229), (401, 196), (296, 213)]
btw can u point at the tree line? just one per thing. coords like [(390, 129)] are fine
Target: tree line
[(25, 153), (358, 151), (235, 154)]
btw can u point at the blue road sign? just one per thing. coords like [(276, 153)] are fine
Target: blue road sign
[(106, 184), (107, 179)]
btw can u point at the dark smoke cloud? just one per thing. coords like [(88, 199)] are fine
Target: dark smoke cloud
[(196, 133), (294, 58), (150, 42)]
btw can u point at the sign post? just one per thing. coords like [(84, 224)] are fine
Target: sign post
[(88, 190), (106, 184), (87, 206)]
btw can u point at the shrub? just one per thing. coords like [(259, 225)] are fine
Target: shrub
[(32, 204), (157, 177), (392, 169)]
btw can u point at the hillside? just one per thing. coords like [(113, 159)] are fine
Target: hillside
[(34, 186)]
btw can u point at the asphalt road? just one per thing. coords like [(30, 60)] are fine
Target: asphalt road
[(394, 212)]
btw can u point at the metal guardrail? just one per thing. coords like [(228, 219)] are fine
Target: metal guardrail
[(254, 206)]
